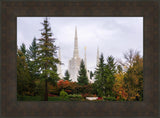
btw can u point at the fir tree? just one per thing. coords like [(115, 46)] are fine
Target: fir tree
[(25, 52), (33, 49), (91, 74), (82, 78), (100, 77), (23, 48), (119, 69), (47, 58), (104, 76), (67, 76), (110, 75)]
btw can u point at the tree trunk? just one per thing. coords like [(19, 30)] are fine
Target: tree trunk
[(46, 91)]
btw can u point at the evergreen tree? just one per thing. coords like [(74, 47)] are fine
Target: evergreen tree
[(25, 52), (91, 74), (100, 77), (33, 49), (82, 78), (110, 75), (47, 58), (119, 69), (104, 76), (67, 76), (23, 48)]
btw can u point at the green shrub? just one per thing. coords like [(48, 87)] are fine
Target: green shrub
[(54, 91), (75, 97), (109, 98), (20, 98), (121, 99), (63, 94)]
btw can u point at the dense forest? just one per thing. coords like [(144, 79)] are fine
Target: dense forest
[(37, 77)]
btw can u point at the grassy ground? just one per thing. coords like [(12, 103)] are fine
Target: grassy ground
[(38, 98), (58, 98)]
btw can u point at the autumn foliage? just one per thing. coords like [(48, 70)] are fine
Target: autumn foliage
[(118, 88)]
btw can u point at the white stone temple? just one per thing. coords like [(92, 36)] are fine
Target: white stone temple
[(59, 70), (75, 61), (90, 80)]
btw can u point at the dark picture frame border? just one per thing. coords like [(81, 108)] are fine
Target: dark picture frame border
[(12, 9)]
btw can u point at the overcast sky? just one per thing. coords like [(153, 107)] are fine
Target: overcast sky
[(113, 35)]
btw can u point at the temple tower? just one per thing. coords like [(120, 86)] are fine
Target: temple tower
[(74, 62), (59, 65), (97, 56), (85, 59), (76, 52), (88, 72)]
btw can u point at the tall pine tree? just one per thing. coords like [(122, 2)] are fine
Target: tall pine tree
[(110, 75), (33, 49), (104, 76), (25, 52), (23, 48), (47, 58), (100, 77), (82, 78), (67, 76)]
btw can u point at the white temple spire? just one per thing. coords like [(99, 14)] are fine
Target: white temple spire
[(59, 65), (74, 62), (97, 56), (76, 52), (85, 59)]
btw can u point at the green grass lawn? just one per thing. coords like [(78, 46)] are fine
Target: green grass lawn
[(38, 98), (58, 98)]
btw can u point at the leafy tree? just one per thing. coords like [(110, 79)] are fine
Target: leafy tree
[(118, 86), (134, 76), (129, 57), (63, 94), (25, 84), (21, 71), (46, 56), (82, 78), (68, 86), (138, 65), (67, 76)]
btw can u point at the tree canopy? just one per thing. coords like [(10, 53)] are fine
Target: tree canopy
[(46, 56), (82, 77), (67, 76)]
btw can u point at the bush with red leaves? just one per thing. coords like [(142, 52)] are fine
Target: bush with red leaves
[(52, 95)]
